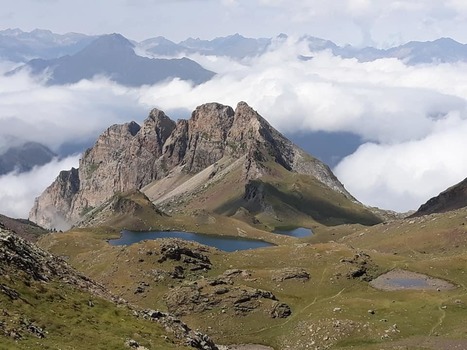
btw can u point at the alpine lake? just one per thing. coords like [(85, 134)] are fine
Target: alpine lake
[(225, 243)]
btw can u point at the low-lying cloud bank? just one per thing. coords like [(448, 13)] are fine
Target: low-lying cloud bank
[(18, 191), (55, 115), (411, 118), (404, 175)]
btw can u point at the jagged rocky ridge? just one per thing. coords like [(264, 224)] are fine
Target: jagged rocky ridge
[(129, 156)]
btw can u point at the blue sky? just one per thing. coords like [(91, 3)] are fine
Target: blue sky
[(360, 22)]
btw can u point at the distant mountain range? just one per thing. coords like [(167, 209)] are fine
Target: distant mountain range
[(24, 157), (113, 56), (19, 46), (444, 50), (71, 57), (234, 46)]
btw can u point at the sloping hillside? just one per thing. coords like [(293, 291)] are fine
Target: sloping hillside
[(453, 198)]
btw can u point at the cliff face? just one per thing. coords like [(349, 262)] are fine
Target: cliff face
[(50, 208), (128, 157)]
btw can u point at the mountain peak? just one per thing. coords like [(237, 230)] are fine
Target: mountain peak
[(110, 44), (244, 108), (113, 56), (11, 32), (163, 153)]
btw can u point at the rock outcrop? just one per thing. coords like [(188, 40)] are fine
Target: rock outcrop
[(24, 266), (25, 258), (58, 199), (23, 228), (180, 330), (224, 294), (453, 198), (129, 157)]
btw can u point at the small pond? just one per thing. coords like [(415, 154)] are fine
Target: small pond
[(402, 279), (225, 243), (298, 232)]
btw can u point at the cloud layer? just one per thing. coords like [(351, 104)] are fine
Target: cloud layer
[(58, 114), (17, 191), (413, 119), (404, 175)]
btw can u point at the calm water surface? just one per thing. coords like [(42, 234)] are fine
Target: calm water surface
[(299, 232), (225, 243), (408, 282)]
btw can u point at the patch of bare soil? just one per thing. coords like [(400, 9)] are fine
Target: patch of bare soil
[(402, 279)]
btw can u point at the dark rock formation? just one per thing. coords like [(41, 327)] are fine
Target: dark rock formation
[(280, 310), (26, 258), (361, 266), (181, 331), (290, 273), (222, 293), (453, 198)]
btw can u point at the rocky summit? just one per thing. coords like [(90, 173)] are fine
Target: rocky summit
[(220, 160)]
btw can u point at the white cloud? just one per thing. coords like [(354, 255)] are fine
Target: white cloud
[(386, 22), (384, 100), (17, 191), (415, 115), (57, 114), (403, 176), (403, 110)]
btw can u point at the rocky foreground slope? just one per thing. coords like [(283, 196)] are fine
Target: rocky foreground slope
[(44, 300), (220, 159)]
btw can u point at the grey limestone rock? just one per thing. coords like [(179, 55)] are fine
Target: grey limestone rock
[(128, 157)]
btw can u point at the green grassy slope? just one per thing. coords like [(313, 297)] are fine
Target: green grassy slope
[(331, 310), (47, 305), (284, 198)]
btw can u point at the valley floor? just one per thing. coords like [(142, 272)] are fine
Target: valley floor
[(308, 293)]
